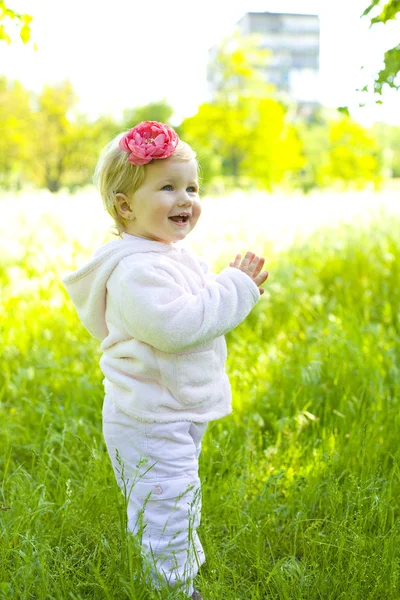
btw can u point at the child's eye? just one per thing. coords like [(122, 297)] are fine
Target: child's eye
[(170, 186)]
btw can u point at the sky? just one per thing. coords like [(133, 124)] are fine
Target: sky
[(125, 53)]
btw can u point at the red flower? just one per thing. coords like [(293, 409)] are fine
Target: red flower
[(148, 140)]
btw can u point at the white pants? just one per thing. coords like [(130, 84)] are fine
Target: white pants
[(156, 466)]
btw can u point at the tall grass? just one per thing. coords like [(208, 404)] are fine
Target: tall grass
[(300, 484)]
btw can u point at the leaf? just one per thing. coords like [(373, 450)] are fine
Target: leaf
[(23, 21), (343, 110), (388, 13), (370, 7), (25, 33), (4, 35), (391, 70)]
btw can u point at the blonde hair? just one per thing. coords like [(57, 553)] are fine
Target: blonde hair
[(115, 174)]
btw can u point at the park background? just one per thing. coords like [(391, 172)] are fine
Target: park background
[(301, 482)]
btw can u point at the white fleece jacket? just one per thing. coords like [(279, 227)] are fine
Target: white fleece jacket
[(161, 316)]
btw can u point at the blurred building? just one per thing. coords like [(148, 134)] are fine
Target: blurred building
[(294, 42)]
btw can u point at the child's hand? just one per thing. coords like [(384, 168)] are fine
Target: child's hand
[(251, 265)]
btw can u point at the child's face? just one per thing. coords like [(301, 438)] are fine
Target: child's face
[(170, 188)]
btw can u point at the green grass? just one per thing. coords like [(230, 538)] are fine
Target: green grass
[(300, 484)]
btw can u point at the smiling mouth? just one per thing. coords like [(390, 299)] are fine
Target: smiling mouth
[(179, 219)]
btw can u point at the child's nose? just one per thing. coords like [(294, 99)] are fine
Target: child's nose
[(186, 196)]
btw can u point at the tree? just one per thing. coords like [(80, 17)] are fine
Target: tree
[(338, 151), (387, 75), (314, 135), (44, 140), (9, 17), (273, 147), (237, 68), (388, 137), (52, 130), (67, 145), (81, 148), (242, 131), (155, 111), (17, 137), (211, 133), (354, 156)]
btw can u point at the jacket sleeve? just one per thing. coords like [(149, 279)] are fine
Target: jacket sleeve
[(204, 267), (157, 309)]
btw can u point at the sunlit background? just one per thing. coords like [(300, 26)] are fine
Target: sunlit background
[(90, 70), (133, 53)]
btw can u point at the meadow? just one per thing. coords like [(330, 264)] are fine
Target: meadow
[(300, 483)]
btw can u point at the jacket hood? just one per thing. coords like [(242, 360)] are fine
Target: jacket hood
[(87, 285)]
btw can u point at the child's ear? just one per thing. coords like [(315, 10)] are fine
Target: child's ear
[(122, 205)]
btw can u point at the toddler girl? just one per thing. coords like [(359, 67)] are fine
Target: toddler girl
[(161, 316)]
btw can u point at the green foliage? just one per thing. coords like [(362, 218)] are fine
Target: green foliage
[(243, 132), (353, 155), (22, 21), (389, 10), (237, 68), (315, 150), (243, 138), (17, 137), (83, 143), (52, 130), (389, 74), (272, 147), (192, 131), (216, 132), (45, 140), (388, 138), (67, 145), (300, 484), (155, 111), (339, 152)]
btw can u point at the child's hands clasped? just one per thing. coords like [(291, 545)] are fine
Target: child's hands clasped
[(251, 265)]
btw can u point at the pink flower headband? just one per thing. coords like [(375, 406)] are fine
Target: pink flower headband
[(148, 140)]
